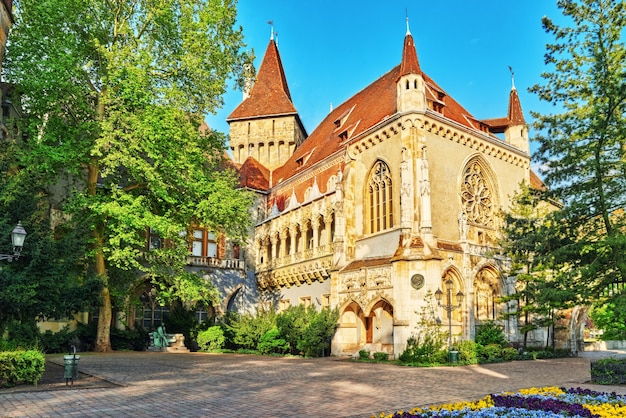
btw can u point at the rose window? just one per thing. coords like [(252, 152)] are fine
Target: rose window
[(476, 196)]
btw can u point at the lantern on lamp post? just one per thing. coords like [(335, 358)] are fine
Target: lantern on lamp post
[(449, 307), (18, 235)]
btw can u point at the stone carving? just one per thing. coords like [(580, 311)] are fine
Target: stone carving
[(476, 197)]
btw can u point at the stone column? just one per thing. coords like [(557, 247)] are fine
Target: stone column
[(315, 224)]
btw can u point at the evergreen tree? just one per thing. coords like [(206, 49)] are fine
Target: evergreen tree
[(582, 145), (114, 94)]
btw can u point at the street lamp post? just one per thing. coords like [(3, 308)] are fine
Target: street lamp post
[(17, 238), (449, 307)]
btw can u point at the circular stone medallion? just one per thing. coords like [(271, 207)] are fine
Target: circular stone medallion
[(417, 281)]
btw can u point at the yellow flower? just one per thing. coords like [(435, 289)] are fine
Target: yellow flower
[(607, 410)]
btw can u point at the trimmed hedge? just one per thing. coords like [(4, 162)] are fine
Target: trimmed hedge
[(609, 371), (21, 367)]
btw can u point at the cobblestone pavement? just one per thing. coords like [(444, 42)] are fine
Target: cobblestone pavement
[(231, 385)]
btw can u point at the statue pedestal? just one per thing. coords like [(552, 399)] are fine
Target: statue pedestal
[(176, 344)]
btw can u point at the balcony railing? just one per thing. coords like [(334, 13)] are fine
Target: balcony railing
[(224, 263)]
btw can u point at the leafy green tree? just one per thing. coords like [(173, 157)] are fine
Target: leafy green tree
[(529, 239), (52, 278), (611, 318), (114, 94), (582, 145)]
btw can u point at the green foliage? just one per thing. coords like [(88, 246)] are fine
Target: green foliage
[(21, 366), (611, 318), (115, 107), (489, 332), (129, 339), (364, 354), (182, 321), (468, 351), (23, 335), (57, 342), (609, 371), (304, 331), (319, 331), (211, 340), (491, 353), (272, 343), (581, 145), (247, 329), (381, 356)]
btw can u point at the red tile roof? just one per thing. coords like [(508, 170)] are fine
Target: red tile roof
[(515, 115), (270, 92), (409, 64), (253, 175), (370, 262), (535, 182)]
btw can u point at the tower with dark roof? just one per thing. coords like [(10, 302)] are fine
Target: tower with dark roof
[(411, 89), (266, 125)]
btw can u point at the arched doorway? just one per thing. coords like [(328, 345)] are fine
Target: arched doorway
[(487, 290), (379, 327)]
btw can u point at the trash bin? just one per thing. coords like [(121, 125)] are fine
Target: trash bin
[(453, 356), (71, 368)]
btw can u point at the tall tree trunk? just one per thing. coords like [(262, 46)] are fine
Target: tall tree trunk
[(103, 335)]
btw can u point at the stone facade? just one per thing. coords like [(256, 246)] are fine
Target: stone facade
[(396, 192)]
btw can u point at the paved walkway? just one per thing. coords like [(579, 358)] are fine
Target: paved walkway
[(230, 385)]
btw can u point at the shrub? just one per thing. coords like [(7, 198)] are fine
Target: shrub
[(491, 353), (318, 332), (609, 371), (426, 345), (364, 354), (381, 356), (21, 366), (272, 343), (489, 332), (468, 352), (57, 342), (129, 339), (248, 329), (211, 340), (509, 353)]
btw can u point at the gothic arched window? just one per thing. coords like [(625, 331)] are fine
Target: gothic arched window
[(379, 198), (476, 196)]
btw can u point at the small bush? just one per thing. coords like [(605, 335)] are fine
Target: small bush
[(468, 352), (489, 332), (364, 354), (609, 371), (211, 340), (57, 342), (509, 353), (21, 366), (491, 353), (381, 356), (129, 339), (272, 343)]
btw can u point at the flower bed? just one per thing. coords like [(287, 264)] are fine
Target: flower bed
[(548, 402)]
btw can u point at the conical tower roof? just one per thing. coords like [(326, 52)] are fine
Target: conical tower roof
[(410, 63), (270, 93), (515, 115)]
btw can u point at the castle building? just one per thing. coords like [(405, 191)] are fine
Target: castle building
[(393, 196)]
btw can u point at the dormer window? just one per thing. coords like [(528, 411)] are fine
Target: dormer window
[(343, 135), (300, 161)]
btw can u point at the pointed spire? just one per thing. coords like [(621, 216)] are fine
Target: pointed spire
[(515, 115), (410, 64), (512, 77), (408, 31), (271, 23), (270, 93)]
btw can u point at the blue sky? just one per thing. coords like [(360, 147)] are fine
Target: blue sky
[(332, 49)]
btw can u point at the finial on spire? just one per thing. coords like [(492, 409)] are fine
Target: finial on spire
[(408, 32), (512, 78), (271, 23)]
